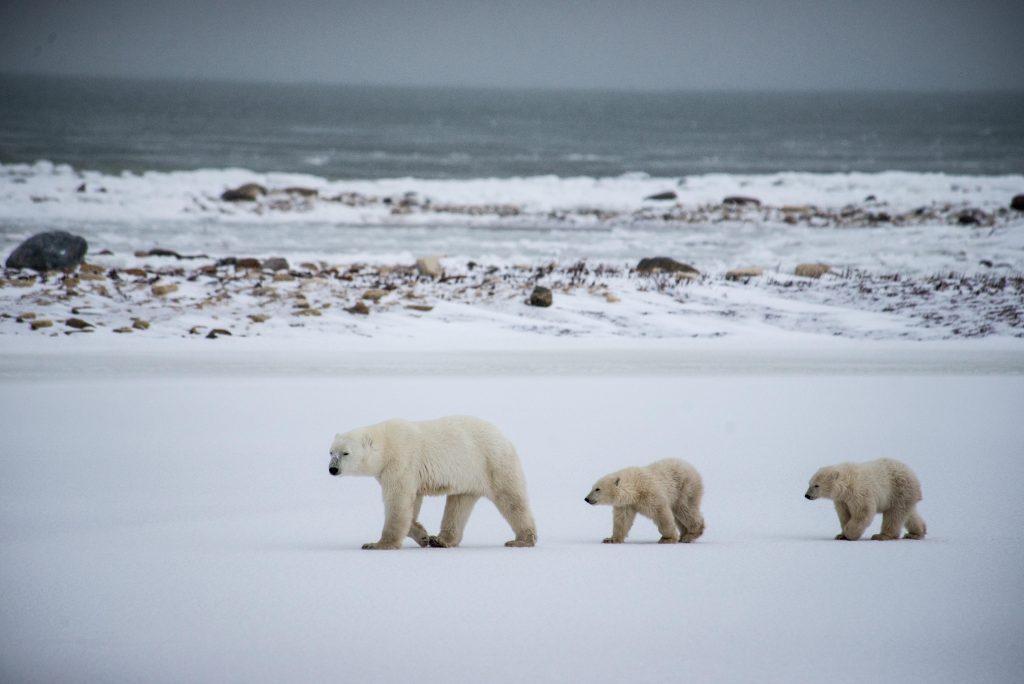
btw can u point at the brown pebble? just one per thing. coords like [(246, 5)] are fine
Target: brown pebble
[(163, 290), (77, 323), (419, 307), (359, 308), (216, 332), (123, 329), (258, 318), (41, 323), (375, 295), (140, 324)]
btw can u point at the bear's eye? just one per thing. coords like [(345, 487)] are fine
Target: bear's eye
[(597, 489), (344, 453), (815, 486)]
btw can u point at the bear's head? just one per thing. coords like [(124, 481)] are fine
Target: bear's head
[(606, 491), (354, 453), (823, 484)]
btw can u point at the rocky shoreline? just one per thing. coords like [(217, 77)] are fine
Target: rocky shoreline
[(175, 295)]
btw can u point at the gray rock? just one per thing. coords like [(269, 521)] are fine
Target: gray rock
[(250, 192), (541, 296), (275, 264), (49, 251), (662, 196), (651, 265), (1017, 202), (737, 200)]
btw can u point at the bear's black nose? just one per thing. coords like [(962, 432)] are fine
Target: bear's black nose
[(587, 499), (334, 470), (808, 496)]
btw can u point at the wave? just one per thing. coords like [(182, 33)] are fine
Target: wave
[(45, 189)]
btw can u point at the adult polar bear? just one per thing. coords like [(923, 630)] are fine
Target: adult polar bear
[(859, 490), (461, 457)]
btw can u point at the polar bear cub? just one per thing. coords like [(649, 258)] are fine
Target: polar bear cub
[(668, 492), (859, 490), (461, 457)]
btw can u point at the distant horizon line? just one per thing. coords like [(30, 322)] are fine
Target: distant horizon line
[(505, 88)]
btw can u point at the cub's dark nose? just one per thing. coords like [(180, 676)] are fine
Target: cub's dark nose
[(587, 499), (334, 470), (808, 496)]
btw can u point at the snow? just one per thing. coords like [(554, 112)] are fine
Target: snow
[(169, 517)]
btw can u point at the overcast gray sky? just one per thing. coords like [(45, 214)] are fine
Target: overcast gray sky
[(732, 44)]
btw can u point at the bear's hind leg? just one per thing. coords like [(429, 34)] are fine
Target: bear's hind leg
[(453, 523), (892, 523), (691, 524), (514, 508), (916, 529)]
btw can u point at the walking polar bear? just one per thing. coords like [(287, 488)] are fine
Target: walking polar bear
[(668, 492), (460, 457), (859, 490)]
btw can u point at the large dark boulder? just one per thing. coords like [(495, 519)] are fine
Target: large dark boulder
[(541, 296), (51, 251), (250, 192), (650, 265), (1017, 202)]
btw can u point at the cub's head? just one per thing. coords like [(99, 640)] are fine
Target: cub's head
[(354, 453), (606, 491), (823, 484)]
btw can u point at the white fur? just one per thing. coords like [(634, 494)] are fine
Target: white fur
[(461, 457), (667, 491), (859, 490)]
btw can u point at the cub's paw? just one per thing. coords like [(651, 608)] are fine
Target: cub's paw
[(438, 543), (378, 546), (841, 537), (519, 543), (668, 540), (910, 535), (881, 537), (611, 540)]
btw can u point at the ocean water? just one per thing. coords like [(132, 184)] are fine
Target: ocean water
[(132, 165), (344, 132)]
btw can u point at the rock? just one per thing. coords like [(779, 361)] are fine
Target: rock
[(743, 273), (419, 307), (611, 299), (651, 265), (811, 270), (137, 272), (77, 323), (302, 192), (283, 277), (662, 196), (275, 264), (259, 318), (541, 296), (740, 201), (250, 192), (90, 268), (164, 290), (51, 251), (123, 329), (430, 266), (217, 332), (41, 323), (359, 308), (971, 217), (375, 295), (27, 316), (140, 324), (309, 312), (248, 263), (1017, 202)]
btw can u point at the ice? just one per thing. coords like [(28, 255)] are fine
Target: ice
[(167, 526)]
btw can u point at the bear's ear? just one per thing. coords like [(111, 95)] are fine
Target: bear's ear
[(617, 481), (367, 441), (832, 476)]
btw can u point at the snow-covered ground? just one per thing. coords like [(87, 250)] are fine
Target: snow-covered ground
[(166, 516)]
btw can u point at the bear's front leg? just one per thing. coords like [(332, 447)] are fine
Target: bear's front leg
[(858, 522), (622, 523), (399, 502)]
